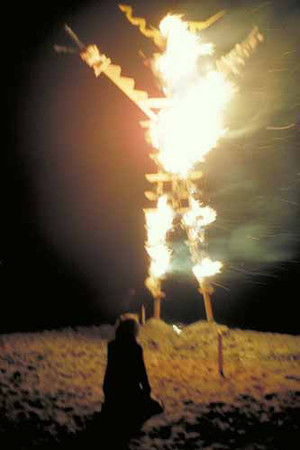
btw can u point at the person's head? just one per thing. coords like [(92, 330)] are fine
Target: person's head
[(127, 328)]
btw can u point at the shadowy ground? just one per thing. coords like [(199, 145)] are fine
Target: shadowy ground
[(51, 390), (246, 424)]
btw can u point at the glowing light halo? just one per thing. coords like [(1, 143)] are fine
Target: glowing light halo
[(191, 124)]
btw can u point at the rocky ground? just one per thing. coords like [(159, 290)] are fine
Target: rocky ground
[(51, 388)]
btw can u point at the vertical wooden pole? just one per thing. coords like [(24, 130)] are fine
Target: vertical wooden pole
[(143, 315), (220, 353), (156, 312), (208, 308), (207, 303)]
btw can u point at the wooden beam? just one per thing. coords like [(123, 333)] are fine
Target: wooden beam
[(166, 177)]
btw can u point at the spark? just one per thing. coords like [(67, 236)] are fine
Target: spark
[(259, 7), (285, 127), (222, 286), (290, 202)]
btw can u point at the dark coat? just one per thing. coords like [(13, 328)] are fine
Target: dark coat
[(125, 377)]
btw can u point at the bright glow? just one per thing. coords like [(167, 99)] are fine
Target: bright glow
[(183, 132), (158, 223), (198, 215), (182, 51), (206, 268), (177, 329), (192, 123), (189, 124)]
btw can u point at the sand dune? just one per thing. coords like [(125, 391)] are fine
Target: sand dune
[(51, 388)]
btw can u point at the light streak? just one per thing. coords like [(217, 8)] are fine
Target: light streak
[(286, 127)]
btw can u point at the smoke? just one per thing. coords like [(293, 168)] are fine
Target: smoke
[(268, 80), (253, 242), (253, 174)]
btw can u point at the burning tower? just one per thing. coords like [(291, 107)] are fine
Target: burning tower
[(182, 127)]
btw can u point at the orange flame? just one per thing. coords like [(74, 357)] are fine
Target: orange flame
[(207, 268), (188, 126), (192, 122), (158, 222)]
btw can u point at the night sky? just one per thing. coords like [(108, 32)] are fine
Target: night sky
[(75, 158)]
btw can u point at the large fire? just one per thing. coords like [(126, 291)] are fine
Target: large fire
[(192, 122), (188, 127), (189, 124)]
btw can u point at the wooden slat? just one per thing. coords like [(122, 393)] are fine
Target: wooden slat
[(165, 177)]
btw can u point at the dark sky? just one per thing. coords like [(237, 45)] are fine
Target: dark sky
[(75, 159)]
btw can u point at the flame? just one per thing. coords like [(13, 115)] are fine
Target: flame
[(206, 268), (154, 286), (189, 124), (199, 216), (184, 131), (158, 223), (195, 220), (182, 51), (192, 122)]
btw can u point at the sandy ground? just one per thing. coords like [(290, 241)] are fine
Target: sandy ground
[(51, 388)]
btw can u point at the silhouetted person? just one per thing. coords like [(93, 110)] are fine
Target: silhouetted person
[(126, 386)]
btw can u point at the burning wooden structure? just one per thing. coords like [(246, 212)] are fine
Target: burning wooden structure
[(182, 127)]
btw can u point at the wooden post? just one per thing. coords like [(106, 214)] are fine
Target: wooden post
[(220, 353), (156, 312), (143, 315), (208, 308), (204, 290)]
